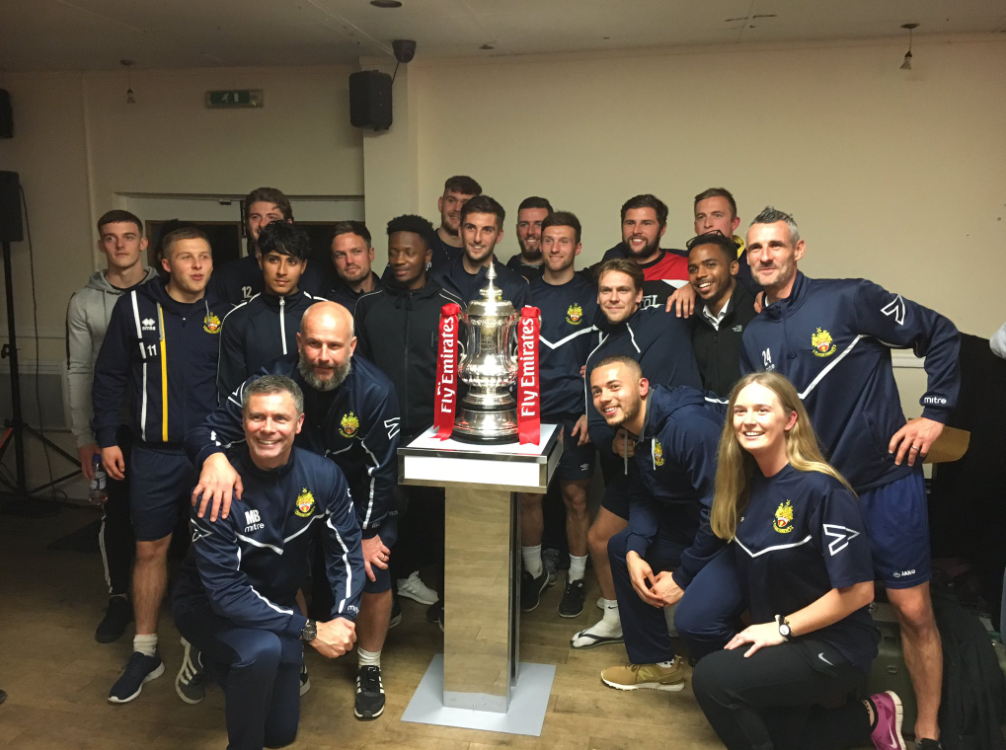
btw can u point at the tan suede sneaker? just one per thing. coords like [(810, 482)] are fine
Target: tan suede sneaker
[(652, 676)]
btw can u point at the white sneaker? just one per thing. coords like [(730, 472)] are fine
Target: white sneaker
[(414, 588), (600, 633)]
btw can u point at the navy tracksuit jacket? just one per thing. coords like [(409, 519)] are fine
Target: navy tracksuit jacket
[(672, 480), (255, 333), (356, 425), (162, 355), (455, 279), (568, 312), (833, 338)]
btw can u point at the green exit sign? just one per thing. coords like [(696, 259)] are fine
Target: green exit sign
[(234, 98)]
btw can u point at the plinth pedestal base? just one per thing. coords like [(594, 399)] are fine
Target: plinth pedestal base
[(526, 715)]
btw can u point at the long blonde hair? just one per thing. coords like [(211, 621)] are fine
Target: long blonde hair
[(736, 466)]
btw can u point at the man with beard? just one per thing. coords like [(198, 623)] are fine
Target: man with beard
[(661, 343), (644, 222), (352, 256), (159, 353), (397, 329), (530, 214), (351, 415), (446, 245), (481, 230), (725, 308), (833, 338), (568, 305), (258, 331), (668, 544)]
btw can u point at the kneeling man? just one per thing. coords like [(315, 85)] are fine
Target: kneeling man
[(668, 553), (236, 597)]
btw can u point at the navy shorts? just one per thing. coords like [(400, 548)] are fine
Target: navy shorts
[(389, 535), (160, 488), (616, 486), (576, 461), (897, 522)]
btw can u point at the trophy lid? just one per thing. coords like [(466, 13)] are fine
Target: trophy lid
[(492, 303)]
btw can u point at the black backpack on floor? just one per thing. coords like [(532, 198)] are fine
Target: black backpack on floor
[(973, 706)]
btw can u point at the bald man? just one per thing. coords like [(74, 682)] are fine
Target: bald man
[(350, 415)]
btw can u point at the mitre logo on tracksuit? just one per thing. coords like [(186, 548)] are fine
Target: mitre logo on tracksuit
[(833, 338)]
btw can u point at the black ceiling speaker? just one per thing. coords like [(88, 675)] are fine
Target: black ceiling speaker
[(6, 115), (370, 100)]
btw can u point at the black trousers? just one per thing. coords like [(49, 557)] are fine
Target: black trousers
[(115, 537), (777, 698), (420, 541)]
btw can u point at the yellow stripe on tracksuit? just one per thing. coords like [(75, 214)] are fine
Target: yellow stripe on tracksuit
[(164, 378)]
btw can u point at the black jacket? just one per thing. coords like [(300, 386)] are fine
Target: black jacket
[(718, 352), (456, 280), (255, 333), (397, 330), (346, 297)]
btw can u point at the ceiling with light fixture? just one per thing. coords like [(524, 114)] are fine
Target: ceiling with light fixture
[(53, 35)]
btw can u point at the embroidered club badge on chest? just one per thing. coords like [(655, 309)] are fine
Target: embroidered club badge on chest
[(349, 425), (783, 522), (822, 344), (211, 323), (574, 315), (658, 453), (305, 503)]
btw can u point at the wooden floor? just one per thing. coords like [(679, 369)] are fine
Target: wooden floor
[(57, 677)]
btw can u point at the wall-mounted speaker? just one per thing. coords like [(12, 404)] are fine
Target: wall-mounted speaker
[(10, 208), (6, 115), (370, 100)]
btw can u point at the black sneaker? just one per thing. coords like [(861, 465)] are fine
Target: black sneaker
[(139, 669), (572, 599), (305, 680), (118, 615), (369, 693), (396, 613), (190, 684), (928, 745), (531, 588)]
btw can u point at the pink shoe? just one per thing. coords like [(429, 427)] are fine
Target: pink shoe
[(887, 734)]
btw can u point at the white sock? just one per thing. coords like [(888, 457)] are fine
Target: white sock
[(532, 560), (577, 568), (368, 658), (611, 612), (145, 644)]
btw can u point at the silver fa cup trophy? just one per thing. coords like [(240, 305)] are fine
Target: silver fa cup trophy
[(488, 413)]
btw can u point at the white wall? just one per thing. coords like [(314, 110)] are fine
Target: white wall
[(898, 176)]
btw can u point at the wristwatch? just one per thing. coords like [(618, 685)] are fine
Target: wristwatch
[(784, 629), (309, 632)]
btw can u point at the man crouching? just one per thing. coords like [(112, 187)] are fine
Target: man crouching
[(236, 598)]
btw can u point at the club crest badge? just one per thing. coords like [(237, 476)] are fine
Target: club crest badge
[(658, 453), (349, 425), (822, 344), (305, 503), (574, 315), (211, 323), (783, 522)]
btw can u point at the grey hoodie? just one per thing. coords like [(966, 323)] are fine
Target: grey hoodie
[(86, 322)]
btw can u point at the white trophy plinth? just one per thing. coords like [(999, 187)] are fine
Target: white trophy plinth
[(479, 682)]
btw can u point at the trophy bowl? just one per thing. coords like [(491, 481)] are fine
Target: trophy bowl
[(488, 411)]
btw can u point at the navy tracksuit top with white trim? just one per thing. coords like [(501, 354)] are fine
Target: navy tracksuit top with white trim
[(662, 345), (567, 324), (356, 425), (162, 355), (833, 338), (249, 566), (255, 333), (466, 286), (674, 467), (800, 536)]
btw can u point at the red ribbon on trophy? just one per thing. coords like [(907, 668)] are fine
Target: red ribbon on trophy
[(528, 382), (446, 398)]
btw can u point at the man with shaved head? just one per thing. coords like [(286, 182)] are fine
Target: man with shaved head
[(351, 415)]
